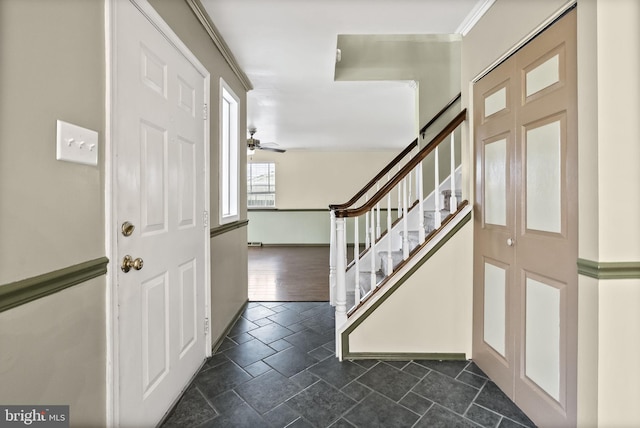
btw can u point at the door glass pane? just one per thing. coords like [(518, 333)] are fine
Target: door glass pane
[(544, 75), (495, 182), (544, 178), (495, 102), (494, 307), (543, 336)]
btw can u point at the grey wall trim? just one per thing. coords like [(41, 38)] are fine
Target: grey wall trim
[(203, 17), (345, 335), (296, 245), (226, 331), (215, 231), (26, 290), (609, 270), (406, 356)]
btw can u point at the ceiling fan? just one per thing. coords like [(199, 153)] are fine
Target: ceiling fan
[(254, 143)]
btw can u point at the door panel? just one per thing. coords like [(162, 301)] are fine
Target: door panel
[(536, 244), (188, 306), (155, 332), (542, 334), (493, 345), (159, 135), (495, 306), (544, 148), (153, 177), (495, 164)]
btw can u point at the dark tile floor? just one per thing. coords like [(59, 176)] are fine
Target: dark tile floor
[(277, 368)]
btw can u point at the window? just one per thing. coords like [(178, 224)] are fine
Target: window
[(261, 185), (229, 162)]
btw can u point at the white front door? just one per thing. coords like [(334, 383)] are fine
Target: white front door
[(159, 197)]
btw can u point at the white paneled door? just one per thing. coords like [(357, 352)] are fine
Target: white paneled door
[(525, 255), (160, 172)]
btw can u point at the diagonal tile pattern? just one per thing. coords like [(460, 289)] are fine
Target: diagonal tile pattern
[(276, 368)]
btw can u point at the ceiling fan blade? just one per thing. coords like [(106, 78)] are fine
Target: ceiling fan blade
[(272, 149)]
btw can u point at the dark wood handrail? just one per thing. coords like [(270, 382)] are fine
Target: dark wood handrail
[(405, 170), (395, 160), (440, 113)]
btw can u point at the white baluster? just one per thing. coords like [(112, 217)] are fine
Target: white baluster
[(356, 257), (421, 232), (389, 239), (341, 289), (378, 230), (453, 200), (436, 193), (373, 259), (409, 178), (399, 198), (332, 259), (405, 225), (344, 233), (367, 243)]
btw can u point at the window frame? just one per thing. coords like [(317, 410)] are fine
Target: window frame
[(271, 170), (229, 139)]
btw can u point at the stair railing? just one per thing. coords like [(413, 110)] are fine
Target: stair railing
[(407, 219), (363, 194)]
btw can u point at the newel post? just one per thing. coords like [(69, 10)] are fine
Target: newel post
[(332, 258), (341, 285)]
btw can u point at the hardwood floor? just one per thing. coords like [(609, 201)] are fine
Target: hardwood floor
[(289, 274)]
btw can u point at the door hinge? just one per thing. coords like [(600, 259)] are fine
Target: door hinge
[(205, 219), (206, 326), (205, 111)]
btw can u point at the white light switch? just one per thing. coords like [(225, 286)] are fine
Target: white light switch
[(76, 144)]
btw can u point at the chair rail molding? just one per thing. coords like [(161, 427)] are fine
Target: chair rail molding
[(26, 290), (609, 270)]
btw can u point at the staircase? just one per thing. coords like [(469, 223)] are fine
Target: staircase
[(389, 258), (390, 221), (389, 261)]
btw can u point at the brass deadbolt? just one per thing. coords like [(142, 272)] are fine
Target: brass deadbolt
[(127, 228)]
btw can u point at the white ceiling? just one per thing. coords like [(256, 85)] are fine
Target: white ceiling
[(287, 48)]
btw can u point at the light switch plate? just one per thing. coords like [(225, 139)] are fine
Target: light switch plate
[(76, 144)]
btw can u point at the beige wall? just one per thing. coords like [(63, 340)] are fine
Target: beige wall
[(615, 78), (618, 86), (306, 179), (609, 151), (53, 350), (51, 212), (311, 181), (228, 251), (229, 289), (54, 353), (427, 313)]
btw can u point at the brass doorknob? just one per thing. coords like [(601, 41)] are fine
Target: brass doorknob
[(128, 262)]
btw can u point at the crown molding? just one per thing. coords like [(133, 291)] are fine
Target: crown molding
[(198, 9)]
